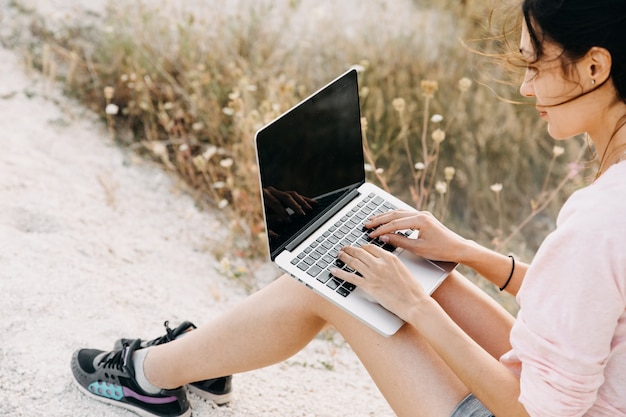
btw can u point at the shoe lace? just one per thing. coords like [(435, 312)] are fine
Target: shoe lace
[(114, 359), (167, 337)]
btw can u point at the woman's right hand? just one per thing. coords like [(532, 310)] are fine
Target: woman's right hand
[(434, 240)]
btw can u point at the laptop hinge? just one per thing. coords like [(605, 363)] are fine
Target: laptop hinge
[(320, 221)]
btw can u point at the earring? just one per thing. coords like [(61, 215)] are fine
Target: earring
[(593, 81)]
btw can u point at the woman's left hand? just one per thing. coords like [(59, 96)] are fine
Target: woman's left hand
[(383, 276)]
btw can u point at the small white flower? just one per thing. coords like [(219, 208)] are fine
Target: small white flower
[(225, 264), (210, 152), (228, 111), (111, 109), (496, 188), (359, 68), (159, 149), (197, 126), (465, 84), (199, 162), (109, 92), (558, 151), (218, 185), (379, 171), (420, 166), (183, 148), (399, 104), (448, 173), (441, 187), (368, 168), (438, 136), (222, 204), (226, 163), (437, 118)]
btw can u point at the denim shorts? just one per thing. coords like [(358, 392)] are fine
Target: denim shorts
[(471, 407)]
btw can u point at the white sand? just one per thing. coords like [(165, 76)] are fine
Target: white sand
[(96, 244)]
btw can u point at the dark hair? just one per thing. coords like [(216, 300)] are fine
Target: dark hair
[(579, 25)]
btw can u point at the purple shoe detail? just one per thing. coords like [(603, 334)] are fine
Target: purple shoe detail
[(148, 399)]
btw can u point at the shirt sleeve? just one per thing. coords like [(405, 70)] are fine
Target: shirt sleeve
[(570, 306)]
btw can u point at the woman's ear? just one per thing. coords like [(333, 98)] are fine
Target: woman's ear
[(598, 64)]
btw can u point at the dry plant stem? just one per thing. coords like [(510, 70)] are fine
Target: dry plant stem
[(421, 186), (460, 109), (72, 68), (442, 214), (445, 201), (111, 127), (545, 181), (173, 83), (435, 158), (541, 206), (45, 58), (110, 121), (370, 160), (499, 203), (404, 137)]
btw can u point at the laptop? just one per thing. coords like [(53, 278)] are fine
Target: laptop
[(315, 199)]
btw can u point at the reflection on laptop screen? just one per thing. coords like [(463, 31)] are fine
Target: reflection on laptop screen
[(312, 155)]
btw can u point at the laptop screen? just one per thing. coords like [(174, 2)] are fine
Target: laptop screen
[(309, 158)]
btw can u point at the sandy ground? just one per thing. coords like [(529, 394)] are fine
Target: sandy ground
[(96, 244)]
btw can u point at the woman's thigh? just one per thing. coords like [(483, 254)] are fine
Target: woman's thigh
[(412, 377), (479, 315)]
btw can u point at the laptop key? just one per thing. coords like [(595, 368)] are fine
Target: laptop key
[(314, 271), (342, 291), (388, 247), (334, 283), (323, 278)]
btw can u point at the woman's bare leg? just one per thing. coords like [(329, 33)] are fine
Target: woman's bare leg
[(281, 319), (479, 315)]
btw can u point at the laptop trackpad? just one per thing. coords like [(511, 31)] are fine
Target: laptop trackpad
[(427, 273)]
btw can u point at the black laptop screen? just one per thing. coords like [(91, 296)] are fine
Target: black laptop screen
[(309, 158)]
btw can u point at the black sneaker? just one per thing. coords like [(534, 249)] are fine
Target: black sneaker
[(218, 390), (110, 377)]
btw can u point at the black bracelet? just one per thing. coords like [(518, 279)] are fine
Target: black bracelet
[(510, 275)]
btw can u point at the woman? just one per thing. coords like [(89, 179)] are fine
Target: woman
[(460, 354)]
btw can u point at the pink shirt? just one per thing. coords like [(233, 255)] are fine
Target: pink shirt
[(569, 340)]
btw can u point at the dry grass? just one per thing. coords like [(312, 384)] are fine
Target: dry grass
[(189, 91)]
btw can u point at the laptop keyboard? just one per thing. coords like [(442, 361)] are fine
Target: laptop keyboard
[(321, 254)]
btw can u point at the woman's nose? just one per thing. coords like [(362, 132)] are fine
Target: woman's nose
[(527, 88)]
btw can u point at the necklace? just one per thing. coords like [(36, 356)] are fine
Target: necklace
[(617, 160)]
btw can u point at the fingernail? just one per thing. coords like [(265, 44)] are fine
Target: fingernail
[(384, 239), (333, 270)]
